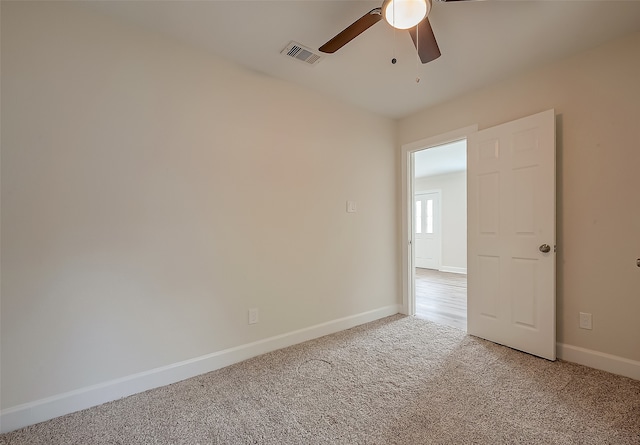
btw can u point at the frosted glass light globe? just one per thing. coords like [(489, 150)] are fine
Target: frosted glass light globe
[(405, 14)]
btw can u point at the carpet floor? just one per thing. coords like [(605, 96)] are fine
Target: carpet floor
[(399, 380)]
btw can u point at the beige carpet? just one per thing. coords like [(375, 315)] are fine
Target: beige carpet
[(400, 380)]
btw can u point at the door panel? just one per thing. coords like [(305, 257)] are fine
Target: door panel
[(489, 203), (488, 286), (511, 212)]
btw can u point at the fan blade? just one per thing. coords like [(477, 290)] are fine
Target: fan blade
[(427, 46), (352, 31)]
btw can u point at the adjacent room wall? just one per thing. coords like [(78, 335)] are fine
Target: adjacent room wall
[(596, 97), (153, 193), (453, 203)]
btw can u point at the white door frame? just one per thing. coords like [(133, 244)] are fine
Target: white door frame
[(408, 189)]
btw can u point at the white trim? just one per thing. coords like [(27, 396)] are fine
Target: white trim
[(452, 269), (441, 139), (406, 244), (408, 248), (599, 360), (61, 404)]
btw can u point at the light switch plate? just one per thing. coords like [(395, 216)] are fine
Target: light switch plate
[(253, 315), (352, 207)]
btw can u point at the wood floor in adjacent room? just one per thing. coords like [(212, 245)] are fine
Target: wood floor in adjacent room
[(442, 297)]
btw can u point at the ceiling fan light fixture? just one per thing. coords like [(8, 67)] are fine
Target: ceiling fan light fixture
[(405, 14)]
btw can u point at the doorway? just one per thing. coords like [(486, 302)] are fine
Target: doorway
[(511, 241), (440, 233), (407, 191)]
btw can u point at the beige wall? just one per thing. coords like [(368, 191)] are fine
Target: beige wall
[(453, 203), (596, 96), (152, 193)]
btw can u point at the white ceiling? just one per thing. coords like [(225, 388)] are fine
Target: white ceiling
[(481, 42), (440, 160)]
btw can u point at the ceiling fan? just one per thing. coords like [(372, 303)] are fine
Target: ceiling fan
[(401, 14)]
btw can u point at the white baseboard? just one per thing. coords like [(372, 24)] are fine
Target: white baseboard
[(452, 269), (599, 360), (50, 407)]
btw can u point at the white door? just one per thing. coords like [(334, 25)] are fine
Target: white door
[(511, 234), (427, 226)]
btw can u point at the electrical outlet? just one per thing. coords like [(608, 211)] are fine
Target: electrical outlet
[(586, 321), (253, 315)]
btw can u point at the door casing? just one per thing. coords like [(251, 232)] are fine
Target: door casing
[(408, 191)]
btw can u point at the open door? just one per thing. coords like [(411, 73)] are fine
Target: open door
[(511, 234)]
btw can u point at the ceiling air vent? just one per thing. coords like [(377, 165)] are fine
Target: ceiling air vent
[(301, 53)]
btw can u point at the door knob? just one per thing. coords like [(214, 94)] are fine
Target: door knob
[(545, 248)]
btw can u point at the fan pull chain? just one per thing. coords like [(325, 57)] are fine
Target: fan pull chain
[(393, 59), (417, 55)]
